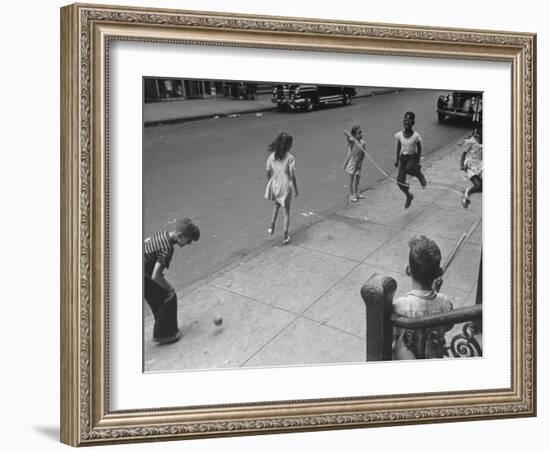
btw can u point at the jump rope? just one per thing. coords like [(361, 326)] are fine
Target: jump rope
[(457, 246), (463, 238), (387, 175)]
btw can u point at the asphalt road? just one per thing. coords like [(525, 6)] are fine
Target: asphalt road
[(213, 171)]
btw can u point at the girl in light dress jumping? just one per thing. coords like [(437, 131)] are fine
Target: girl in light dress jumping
[(281, 176), (471, 162)]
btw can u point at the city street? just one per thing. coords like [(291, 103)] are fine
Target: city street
[(213, 171)]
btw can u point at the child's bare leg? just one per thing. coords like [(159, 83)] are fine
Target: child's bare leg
[(353, 187), (276, 207), (286, 222), (357, 191), (286, 218)]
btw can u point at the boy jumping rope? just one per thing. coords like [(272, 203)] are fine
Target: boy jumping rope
[(158, 292), (409, 151)]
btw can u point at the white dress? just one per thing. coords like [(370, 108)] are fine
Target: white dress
[(474, 157), (279, 187)]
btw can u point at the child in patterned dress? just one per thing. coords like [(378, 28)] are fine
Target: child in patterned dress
[(471, 162), (354, 160)]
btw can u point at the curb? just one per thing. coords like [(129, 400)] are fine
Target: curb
[(255, 251), (263, 108), (205, 116)]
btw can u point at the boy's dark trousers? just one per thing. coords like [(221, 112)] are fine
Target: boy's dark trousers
[(408, 165), (165, 309)]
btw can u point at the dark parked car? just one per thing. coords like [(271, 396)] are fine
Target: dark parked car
[(464, 105), (306, 97)]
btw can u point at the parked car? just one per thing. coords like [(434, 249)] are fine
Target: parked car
[(306, 97), (464, 105)]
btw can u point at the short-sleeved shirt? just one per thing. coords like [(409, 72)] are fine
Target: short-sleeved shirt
[(417, 303), (279, 187), (279, 165), (408, 145), (157, 248)]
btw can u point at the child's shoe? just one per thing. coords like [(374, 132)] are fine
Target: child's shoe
[(286, 240), (465, 200), (271, 229), (168, 339), (360, 196), (423, 181), (409, 200), (353, 198)]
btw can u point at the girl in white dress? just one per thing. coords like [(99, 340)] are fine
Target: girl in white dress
[(281, 176), (471, 162)]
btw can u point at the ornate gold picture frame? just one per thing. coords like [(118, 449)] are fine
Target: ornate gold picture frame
[(87, 32)]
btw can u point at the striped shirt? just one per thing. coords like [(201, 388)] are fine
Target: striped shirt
[(157, 248)]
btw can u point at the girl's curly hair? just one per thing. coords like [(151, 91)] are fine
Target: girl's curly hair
[(281, 145)]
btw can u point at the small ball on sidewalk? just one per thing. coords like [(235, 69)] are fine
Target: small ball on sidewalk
[(218, 320)]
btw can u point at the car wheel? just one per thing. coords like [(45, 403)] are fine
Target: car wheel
[(440, 117), (309, 105), (346, 99)]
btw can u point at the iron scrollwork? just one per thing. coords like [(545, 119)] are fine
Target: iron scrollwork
[(466, 345), (431, 343), (426, 343)]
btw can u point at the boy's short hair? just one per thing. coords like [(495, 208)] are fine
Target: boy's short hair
[(424, 260), (410, 113), (354, 129), (186, 227)]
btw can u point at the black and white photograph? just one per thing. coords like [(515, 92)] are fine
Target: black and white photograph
[(287, 223), (140, 141)]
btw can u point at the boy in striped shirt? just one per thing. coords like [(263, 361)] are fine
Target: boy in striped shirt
[(158, 292)]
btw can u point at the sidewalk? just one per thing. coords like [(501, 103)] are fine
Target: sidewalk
[(195, 109), (300, 304)]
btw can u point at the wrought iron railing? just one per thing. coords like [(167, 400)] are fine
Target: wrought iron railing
[(424, 337)]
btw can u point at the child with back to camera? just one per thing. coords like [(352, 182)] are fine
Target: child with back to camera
[(281, 176), (409, 152), (424, 269)]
